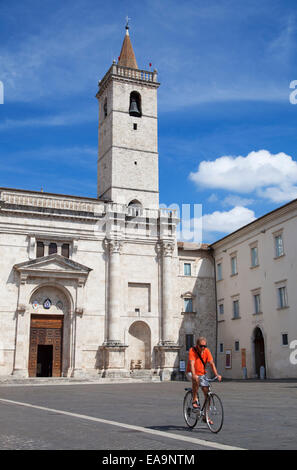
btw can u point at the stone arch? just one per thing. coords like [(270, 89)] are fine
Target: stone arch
[(135, 203), (139, 342), (135, 208), (57, 292)]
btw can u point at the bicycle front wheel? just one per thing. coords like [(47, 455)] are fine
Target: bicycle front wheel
[(190, 415), (214, 413)]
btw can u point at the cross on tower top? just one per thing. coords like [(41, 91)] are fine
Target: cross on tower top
[(127, 22)]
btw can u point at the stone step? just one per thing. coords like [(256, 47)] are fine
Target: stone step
[(72, 380)]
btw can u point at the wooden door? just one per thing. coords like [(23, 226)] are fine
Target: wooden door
[(46, 330), (259, 351)]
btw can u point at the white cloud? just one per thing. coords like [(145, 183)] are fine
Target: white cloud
[(55, 120), (272, 176), (284, 193), (227, 221), (233, 200)]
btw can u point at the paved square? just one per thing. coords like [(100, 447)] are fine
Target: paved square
[(144, 416)]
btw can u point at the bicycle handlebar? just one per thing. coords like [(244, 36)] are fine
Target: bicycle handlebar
[(214, 379)]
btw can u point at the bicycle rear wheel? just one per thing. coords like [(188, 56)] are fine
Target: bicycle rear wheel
[(214, 413), (190, 415)]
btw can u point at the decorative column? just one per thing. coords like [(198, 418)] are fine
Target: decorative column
[(113, 348), (114, 293), (76, 368), (20, 366), (167, 251), (167, 349)]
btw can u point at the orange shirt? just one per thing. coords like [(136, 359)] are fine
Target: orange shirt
[(199, 367)]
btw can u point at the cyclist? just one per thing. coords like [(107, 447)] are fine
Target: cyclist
[(199, 356)]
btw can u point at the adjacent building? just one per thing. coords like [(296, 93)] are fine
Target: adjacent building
[(256, 295)]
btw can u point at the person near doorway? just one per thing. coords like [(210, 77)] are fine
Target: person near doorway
[(199, 356)]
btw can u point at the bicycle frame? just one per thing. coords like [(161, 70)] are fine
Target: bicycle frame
[(209, 393)]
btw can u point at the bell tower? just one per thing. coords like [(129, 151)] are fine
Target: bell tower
[(128, 132)]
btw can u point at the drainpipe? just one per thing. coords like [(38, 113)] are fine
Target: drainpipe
[(216, 302)]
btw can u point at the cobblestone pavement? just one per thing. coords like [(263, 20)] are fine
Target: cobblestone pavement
[(258, 415)]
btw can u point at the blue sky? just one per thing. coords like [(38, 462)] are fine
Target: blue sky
[(227, 129)]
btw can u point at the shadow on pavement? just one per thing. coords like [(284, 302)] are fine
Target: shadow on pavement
[(177, 428)]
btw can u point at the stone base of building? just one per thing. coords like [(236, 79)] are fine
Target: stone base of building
[(85, 374), (115, 374), (114, 360), (167, 354), (20, 373)]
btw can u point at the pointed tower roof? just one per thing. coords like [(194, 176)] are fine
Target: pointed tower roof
[(127, 56)]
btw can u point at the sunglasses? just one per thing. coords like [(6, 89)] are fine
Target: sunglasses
[(202, 345)]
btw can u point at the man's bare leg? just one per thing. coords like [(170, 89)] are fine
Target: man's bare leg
[(195, 387)]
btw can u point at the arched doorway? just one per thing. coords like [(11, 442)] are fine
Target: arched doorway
[(139, 350), (49, 307), (259, 350)]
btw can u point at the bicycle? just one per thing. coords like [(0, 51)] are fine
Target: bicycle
[(212, 410)]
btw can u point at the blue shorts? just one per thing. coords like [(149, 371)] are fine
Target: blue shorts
[(203, 379)]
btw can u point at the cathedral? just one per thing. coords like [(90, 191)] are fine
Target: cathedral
[(100, 287)]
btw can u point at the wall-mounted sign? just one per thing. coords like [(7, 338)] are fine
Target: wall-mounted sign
[(228, 359)]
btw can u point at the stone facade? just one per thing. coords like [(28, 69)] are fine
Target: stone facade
[(195, 285), (120, 291)]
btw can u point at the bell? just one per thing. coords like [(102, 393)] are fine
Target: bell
[(134, 111)]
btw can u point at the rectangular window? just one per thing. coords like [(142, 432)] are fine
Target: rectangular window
[(221, 347), (221, 309), (279, 245), (39, 249), (52, 248), (285, 341), (236, 345), (219, 272), (188, 305), (187, 269), (189, 342), (254, 256), (235, 308), (65, 250), (282, 297), (257, 303), (233, 265)]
